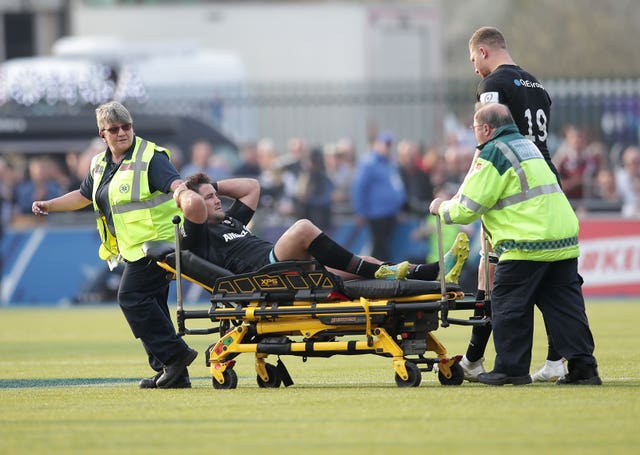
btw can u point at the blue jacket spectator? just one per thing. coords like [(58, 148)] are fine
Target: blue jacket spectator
[(377, 189), (378, 194)]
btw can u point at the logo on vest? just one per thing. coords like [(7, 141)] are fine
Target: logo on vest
[(124, 188)]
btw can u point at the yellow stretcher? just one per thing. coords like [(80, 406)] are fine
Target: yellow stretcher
[(301, 309)]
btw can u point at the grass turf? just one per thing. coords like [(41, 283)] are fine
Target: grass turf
[(68, 384)]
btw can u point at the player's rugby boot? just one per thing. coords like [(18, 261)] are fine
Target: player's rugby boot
[(393, 272), (455, 258)]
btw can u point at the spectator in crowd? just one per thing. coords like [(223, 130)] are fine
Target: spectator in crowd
[(203, 160), (416, 181), (597, 158), (314, 191), (346, 151), (177, 155), (572, 139), (270, 179), (458, 156), (12, 173), (249, 165), (270, 174), (625, 180), (435, 165), (291, 166), (339, 160), (59, 171), (292, 160), (71, 159), (633, 211), (39, 185), (605, 192), (572, 162), (296, 149), (378, 194)]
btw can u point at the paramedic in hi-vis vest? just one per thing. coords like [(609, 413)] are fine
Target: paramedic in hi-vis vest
[(129, 185), (534, 232)]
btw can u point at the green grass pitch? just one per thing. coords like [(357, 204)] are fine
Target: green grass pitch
[(68, 385)]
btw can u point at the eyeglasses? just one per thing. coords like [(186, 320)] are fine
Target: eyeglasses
[(116, 129), (473, 127)]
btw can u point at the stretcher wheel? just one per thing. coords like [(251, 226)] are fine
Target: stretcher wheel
[(415, 376), (457, 375), (274, 377), (230, 380)]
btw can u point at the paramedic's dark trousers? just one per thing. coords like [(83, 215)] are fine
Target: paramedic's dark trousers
[(142, 296), (556, 288)]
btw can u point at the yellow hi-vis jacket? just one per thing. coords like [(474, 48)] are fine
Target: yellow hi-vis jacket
[(523, 209), (138, 214)]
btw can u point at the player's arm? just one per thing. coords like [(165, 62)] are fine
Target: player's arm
[(245, 190), (491, 91), (191, 203)]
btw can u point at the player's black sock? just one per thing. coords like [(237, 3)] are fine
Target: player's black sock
[(479, 334), (425, 272), (331, 254), (552, 354)]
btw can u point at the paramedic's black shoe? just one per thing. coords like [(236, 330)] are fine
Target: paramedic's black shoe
[(173, 371), (581, 376), (150, 383), (495, 378)]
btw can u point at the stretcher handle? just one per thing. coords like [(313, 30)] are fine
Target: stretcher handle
[(485, 258), (469, 322), (444, 304), (176, 227)]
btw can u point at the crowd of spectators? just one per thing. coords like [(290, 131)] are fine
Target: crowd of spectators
[(597, 178), (315, 181)]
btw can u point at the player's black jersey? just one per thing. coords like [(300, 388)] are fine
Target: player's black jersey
[(229, 244), (526, 98)]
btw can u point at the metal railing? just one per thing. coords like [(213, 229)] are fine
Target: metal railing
[(608, 110), (423, 110)]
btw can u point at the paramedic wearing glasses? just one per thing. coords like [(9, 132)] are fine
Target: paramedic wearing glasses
[(534, 231), (129, 185)]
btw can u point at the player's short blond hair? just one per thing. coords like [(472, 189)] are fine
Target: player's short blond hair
[(487, 36)]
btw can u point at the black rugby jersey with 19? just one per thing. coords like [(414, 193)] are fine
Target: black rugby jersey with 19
[(526, 98)]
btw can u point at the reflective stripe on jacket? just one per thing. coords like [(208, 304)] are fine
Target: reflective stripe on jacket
[(523, 209), (138, 214)]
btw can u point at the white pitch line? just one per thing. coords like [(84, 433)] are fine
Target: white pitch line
[(13, 278)]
